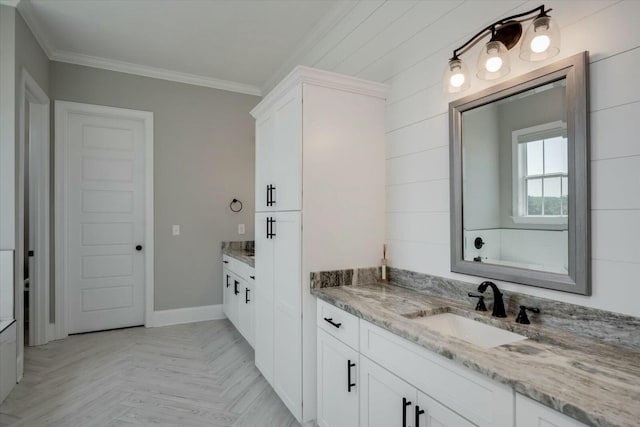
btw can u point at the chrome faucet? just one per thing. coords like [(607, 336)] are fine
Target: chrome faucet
[(498, 303)]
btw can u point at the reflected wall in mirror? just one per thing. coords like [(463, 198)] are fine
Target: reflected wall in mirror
[(519, 181)]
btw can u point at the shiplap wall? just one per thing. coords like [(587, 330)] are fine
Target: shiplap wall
[(407, 43)]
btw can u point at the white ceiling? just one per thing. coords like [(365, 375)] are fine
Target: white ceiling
[(230, 44)]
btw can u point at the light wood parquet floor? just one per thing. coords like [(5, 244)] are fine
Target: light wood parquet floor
[(199, 374)]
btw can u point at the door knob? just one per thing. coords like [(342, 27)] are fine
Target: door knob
[(138, 248)]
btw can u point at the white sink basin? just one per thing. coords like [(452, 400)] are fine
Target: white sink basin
[(474, 332)]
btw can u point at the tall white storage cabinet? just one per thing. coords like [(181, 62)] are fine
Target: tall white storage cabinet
[(320, 180)]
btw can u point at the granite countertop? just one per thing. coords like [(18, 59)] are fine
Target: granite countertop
[(241, 255), (592, 381), (242, 251)]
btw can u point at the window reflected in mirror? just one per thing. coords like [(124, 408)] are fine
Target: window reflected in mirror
[(515, 179)]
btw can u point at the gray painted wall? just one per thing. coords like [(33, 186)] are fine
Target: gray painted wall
[(203, 158), (481, 176)]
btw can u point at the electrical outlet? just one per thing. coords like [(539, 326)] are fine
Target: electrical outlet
[(240, 228), (175, 230)]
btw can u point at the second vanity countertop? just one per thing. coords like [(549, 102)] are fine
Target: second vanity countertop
[(594, 382), (241, 255)]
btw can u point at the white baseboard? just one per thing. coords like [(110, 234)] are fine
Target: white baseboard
[(187, 315)]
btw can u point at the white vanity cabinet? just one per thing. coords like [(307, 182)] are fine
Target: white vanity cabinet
[(320, 165), (237, 296), (530, 413), (338, 367), (399, 383)]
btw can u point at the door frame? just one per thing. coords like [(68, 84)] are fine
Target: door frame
[(30, 93), (62, 184)]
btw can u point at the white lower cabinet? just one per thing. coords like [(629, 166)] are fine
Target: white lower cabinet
[(385, 400), (401, 384), (338, 382), (237, 295), (278, 333), (388, 401), (532, 414), (247, 309)]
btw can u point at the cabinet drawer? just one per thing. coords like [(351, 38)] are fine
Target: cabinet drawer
[(237, 267), (230, 264), (338, 323), (487, 403)]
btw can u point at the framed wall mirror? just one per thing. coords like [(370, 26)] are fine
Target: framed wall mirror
[(519, 176)]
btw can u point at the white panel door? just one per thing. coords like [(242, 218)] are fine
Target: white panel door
[(106, 222), (385, 400), (287, 154), (429, 413), (288, 311), (264, 325), (337, 383)]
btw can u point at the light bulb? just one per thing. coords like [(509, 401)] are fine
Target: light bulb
[(457, 79), (541, 40), (540, 43), (493, 64)]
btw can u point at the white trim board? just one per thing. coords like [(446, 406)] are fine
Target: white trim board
[(55, 54), (62, 110), (188, 315), (29, 92), (10, 3)]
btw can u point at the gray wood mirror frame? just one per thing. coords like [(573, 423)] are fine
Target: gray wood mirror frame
[(519, 178)]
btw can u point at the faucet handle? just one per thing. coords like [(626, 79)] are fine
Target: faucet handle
[(522, 317), (480, 306)]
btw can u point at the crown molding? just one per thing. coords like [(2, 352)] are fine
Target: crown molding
[(338, 11), (11, 3), (154, 72), (35, 25), (328, 79), (37, 28)]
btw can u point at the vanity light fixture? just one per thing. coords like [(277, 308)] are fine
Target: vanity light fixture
[(541, 41)]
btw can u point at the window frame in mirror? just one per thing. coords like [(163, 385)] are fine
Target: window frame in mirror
[(578, 280)]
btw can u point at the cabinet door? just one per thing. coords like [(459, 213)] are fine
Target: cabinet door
[(338, 364), (226, 297), (234, 301), (264, 309), (385, 400), (240, 285), (246, 311), (287, 313), (287, 154), (264, 250), (265, 155), (532, 414), (429, 413)]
